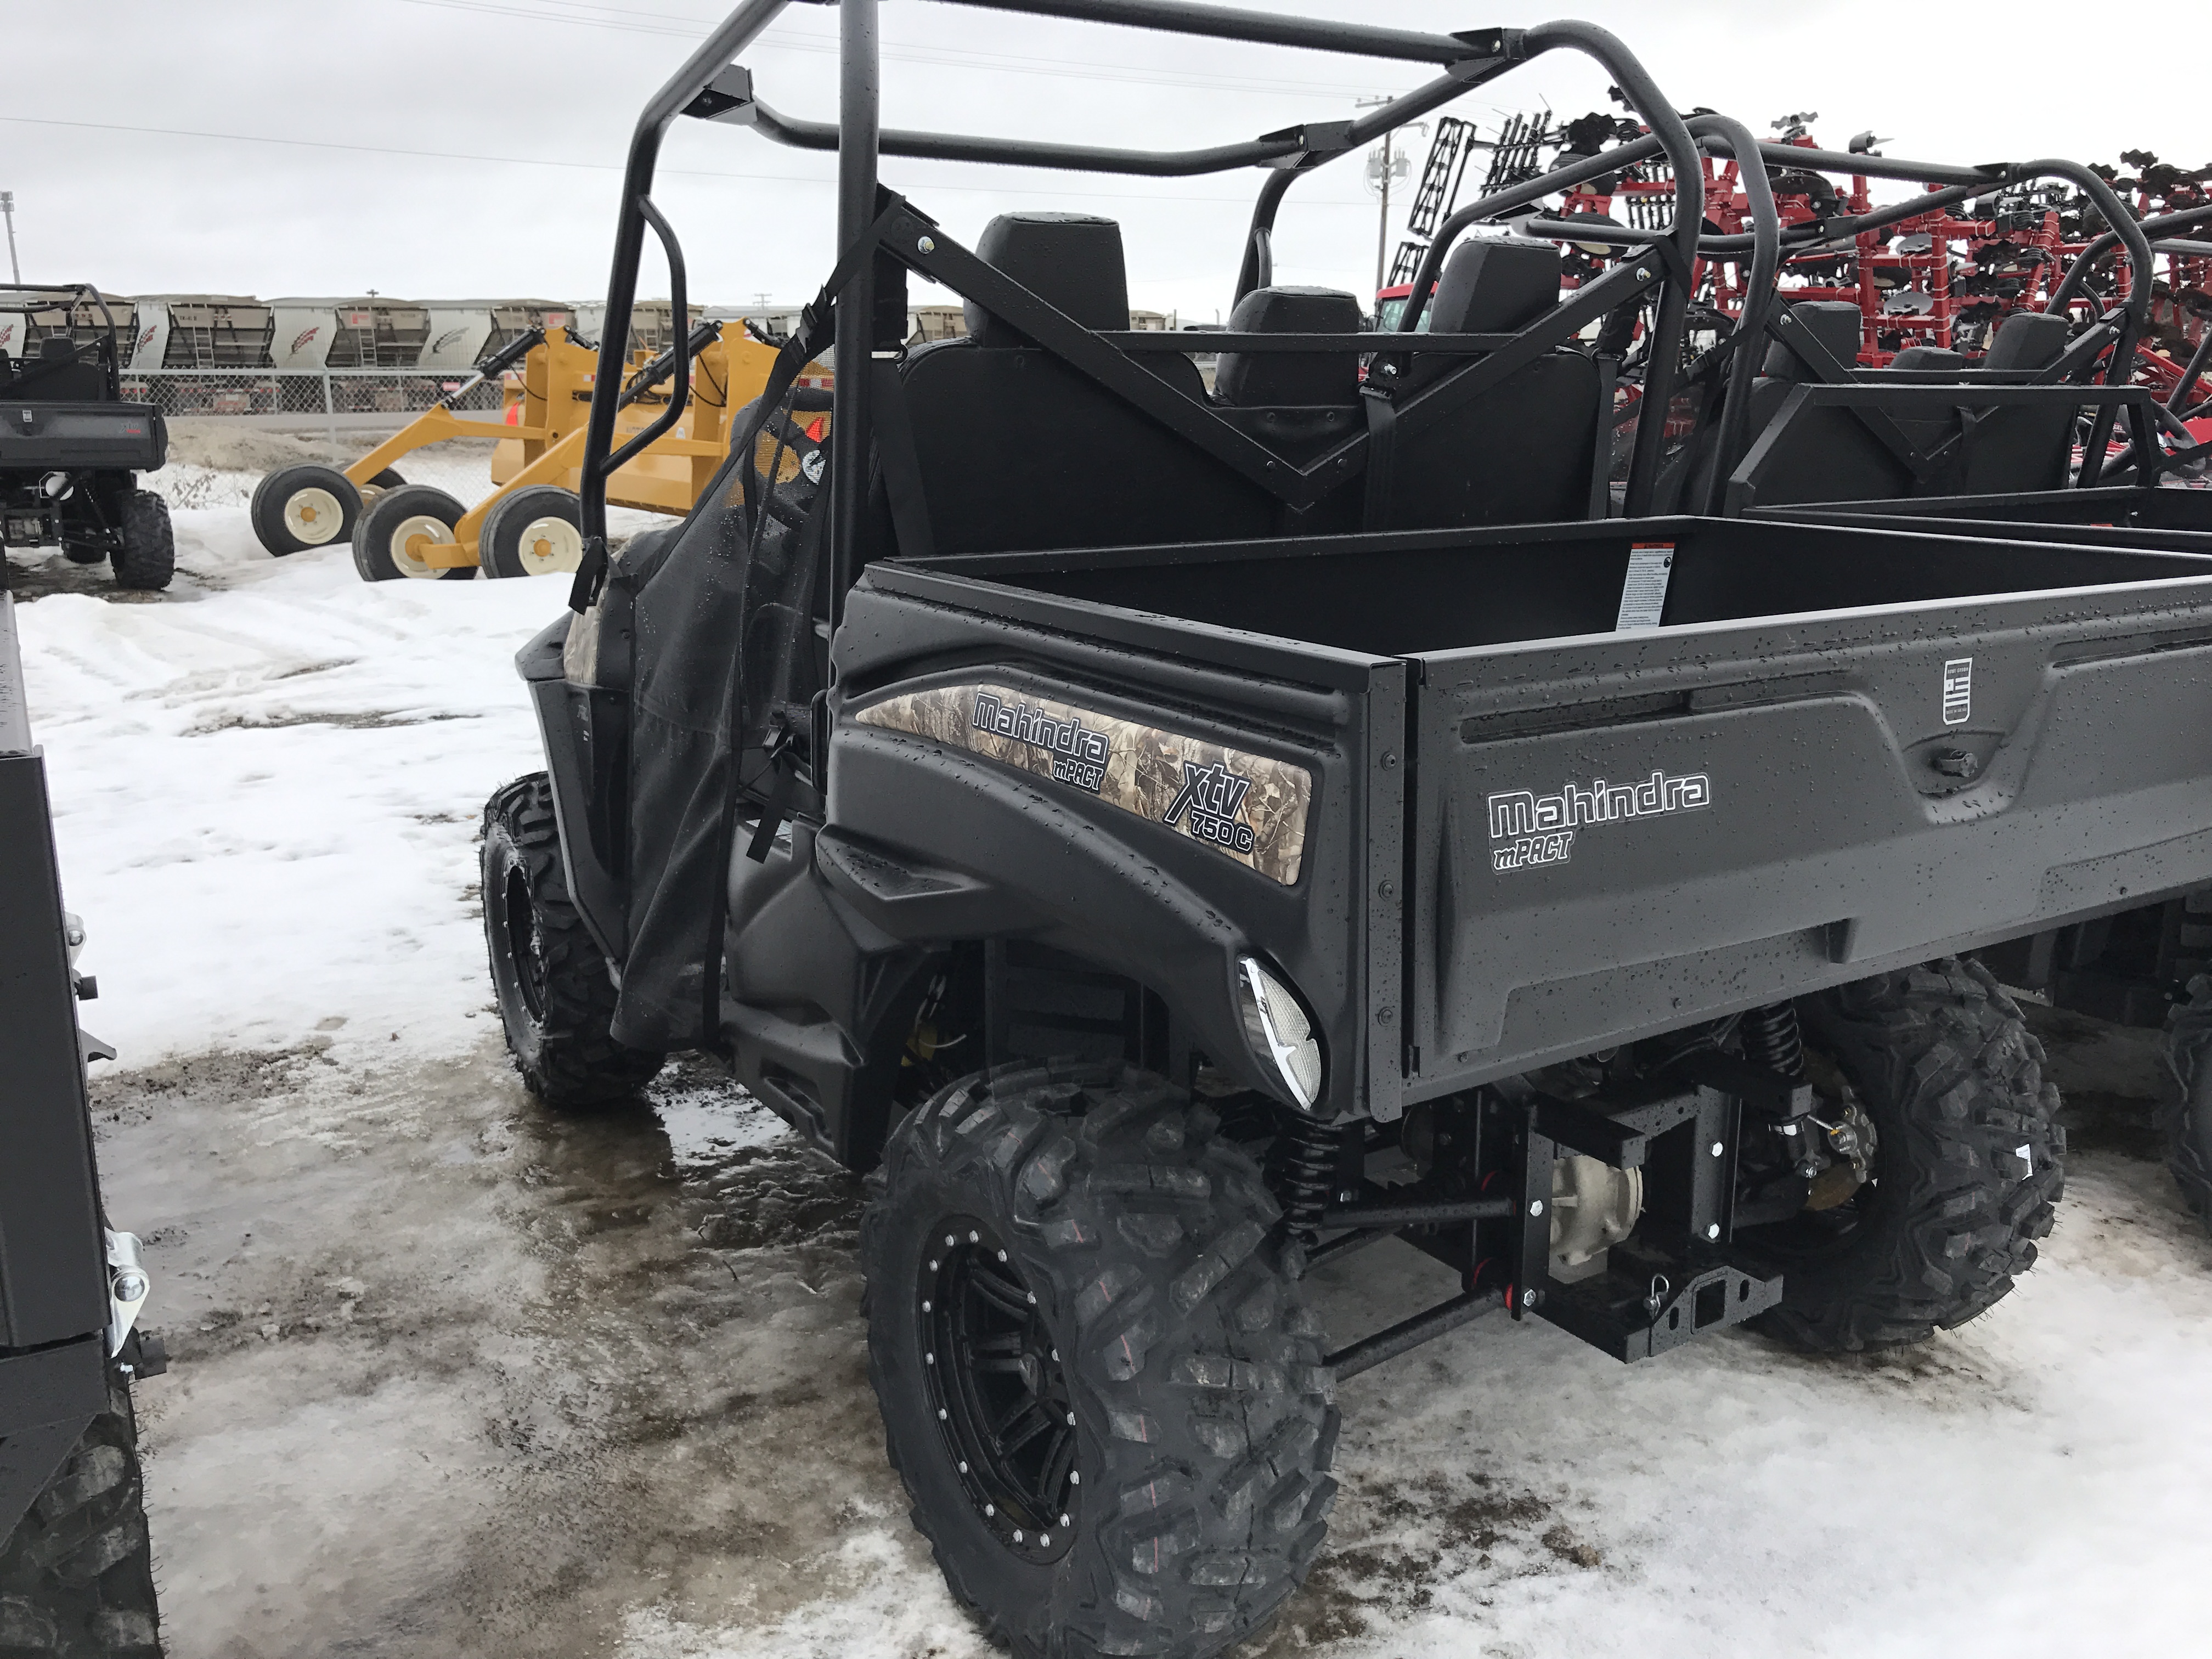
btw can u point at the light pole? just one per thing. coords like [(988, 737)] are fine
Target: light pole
[(8, 212)]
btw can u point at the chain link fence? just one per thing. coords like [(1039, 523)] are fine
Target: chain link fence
[(230, 427)]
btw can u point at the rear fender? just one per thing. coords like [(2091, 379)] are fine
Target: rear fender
[(932, 845), (585, 731)]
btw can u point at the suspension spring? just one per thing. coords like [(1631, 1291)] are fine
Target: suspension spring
[(1773, 1038), (1301, 1172)]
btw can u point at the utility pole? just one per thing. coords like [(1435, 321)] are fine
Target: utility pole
[(1382, 224), (8, 211), (1384, 165)]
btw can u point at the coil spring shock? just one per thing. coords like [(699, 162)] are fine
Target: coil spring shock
[(1773, 1039), (1301, 1172)]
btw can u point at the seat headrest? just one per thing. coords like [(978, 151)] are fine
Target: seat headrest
[(1495, 287), (1303, 378), (57, 348), (1072, 261), (2028, 340), (1834, 322), (1928, 357)]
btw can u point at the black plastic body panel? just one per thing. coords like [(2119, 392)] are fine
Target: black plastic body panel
[(811, 994), (1801, 672), (1119, 890), (78, 437), (585, 756), (53, 1291)]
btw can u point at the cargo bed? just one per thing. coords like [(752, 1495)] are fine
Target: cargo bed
[(1840, 749)]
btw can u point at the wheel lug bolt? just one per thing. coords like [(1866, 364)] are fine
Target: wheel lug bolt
[(929, 1359), (924, 1307), (940, 1413), (963, 1468), (1018, 1534), (977, 1238), (949, 1241), (990, 1509), (1075, 1477), (932, 1266), (1055, 1356), (1071, 1420), (1044, 1541), (1063, 1520), (1002, 1255), (1033, 1298)]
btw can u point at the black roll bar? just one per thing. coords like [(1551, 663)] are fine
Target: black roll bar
[(1258, 28), (712, 86), (1751, 321), (77, 292), (737, 32)]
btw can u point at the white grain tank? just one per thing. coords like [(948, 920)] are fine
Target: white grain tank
[(198, 330), (462, 333)]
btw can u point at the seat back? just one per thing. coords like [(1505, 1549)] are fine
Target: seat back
[(1302, 378), (1928, 358), (2026, 448), (1524, 451), (1829, 455), (58, 375), (2028, 340), (1019, 451), (1836, 324)]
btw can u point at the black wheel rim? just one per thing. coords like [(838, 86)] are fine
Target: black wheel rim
[(998, 1391), (519, 924)]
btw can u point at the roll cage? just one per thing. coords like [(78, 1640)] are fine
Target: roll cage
[(107, 349), (882, 237)]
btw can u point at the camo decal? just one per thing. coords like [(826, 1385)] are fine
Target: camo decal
[(1248, 806)]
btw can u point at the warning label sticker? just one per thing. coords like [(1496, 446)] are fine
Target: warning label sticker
[(1644, 594)]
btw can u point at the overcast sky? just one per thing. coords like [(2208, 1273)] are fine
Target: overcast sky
[(253, 146)]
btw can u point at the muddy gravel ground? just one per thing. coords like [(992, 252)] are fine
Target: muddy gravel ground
[(454, 1376)]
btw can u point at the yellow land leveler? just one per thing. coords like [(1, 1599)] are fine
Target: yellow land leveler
[(529, 524)]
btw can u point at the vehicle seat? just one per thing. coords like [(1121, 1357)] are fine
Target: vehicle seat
[(1306, 378), (1522, 451), (2028, 340), (1832, 456), (59, 376), (1928, 358), (1298, 404), (1019, 451), (2015, 449)]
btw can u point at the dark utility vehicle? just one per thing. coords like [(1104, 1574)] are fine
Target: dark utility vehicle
[(76, 1580), (71, 449), (1173, 839)]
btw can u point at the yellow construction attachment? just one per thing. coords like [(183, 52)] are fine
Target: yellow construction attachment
[(540, 446)]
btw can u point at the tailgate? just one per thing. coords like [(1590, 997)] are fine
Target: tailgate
[(75, 437), (1622, 833)]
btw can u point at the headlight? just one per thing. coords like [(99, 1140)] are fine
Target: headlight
[(1276, 1026)]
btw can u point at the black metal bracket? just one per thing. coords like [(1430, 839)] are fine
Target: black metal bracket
[(1677, 1275)]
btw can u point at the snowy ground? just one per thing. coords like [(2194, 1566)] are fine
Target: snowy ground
[(453, 1377)]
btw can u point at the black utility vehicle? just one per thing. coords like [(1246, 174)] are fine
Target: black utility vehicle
[(71, 449), (1173, 839), (75, 1575)]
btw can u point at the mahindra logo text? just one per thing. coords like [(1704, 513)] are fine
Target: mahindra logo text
[(1539, 830), (1078, 754)]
